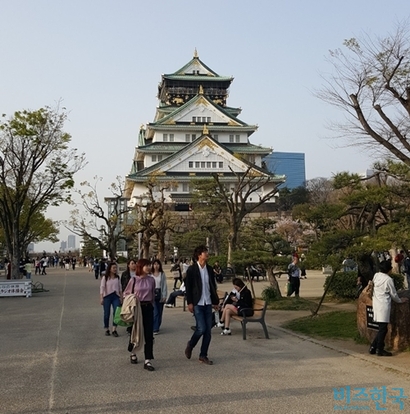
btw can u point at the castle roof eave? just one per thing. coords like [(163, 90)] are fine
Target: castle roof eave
[(197, 97)]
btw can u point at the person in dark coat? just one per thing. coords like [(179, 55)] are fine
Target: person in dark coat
[(201, 298)]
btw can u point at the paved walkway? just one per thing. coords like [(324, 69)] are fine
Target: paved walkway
[(54, 358)]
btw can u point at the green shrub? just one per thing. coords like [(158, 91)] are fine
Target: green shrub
[(398, 280), (343, 286), (269, 294), (220, 259)]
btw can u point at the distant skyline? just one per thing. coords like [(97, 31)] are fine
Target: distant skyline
[(103, 61)]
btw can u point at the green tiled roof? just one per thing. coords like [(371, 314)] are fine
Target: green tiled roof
[(147, 171), (192, 101), (161, 147), (202, 78), (199, 127), (195, 60)]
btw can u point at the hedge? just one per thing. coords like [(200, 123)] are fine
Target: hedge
[(344, 284)]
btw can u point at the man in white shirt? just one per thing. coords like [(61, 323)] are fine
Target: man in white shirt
[(201, 297)]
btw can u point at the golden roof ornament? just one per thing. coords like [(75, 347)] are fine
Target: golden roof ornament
[(205, 131), (201, 90), (195, 53)]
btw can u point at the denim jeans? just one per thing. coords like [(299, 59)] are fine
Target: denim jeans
[(203, 317), (158, 310), (110, 300)]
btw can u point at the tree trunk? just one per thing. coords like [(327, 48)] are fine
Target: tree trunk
[(161, 249), (15, 254), (145, 246), (273, 281)]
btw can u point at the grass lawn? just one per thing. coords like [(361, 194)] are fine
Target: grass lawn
[(336, 325), (292, 303)]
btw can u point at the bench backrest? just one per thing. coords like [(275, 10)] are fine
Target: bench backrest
[(261, 306)]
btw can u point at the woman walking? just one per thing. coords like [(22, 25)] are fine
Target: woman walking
[(161, 293), (110, 296), (129, 273), (143, 287)]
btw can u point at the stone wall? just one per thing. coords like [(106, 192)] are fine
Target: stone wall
[(398, 335)]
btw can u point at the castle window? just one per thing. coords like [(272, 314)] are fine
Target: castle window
[(159, 158), (213, 164), (185, 187), (208, 119), (193, 137), (190, 164), (194, 119), (237, 138), (171, 137), (208, 164), (154, 158), (187, 138), (231, 139), (196, 164), (165, 137), (221, 164), (202, 164), (204, 119)]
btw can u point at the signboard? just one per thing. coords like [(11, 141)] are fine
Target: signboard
[(15, 288), (371, 324)]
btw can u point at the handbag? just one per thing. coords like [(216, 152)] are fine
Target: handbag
[(117, 317), (289, 288)]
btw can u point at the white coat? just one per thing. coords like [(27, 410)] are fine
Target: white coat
[(383, 292)]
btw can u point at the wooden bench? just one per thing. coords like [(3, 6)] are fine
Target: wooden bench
[(220, 293), (259, 311)]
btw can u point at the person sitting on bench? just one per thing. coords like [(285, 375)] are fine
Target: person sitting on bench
[(234, 308), (173, 296)]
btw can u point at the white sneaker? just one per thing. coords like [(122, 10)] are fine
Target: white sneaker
[(168, 305), (220, 325), (226, 332)]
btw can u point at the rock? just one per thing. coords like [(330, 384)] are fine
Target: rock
[(398, 334)]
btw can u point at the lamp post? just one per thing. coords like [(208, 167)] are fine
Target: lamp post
[(139, 245), (141, 204)]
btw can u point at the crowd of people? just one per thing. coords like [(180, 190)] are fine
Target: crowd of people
[(145, 281)]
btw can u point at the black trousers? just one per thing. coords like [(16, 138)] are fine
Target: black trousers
[(147, 310), (294, 286), (378, 341)]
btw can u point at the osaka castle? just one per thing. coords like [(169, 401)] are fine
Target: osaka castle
[(195, 134)]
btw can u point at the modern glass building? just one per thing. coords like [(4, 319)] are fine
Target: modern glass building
[(291, 164)]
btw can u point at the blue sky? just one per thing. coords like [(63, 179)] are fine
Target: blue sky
[(104, 60)]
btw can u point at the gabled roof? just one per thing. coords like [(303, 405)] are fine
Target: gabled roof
[(196, 70), (172, 147), (204, 141), (199, 99)]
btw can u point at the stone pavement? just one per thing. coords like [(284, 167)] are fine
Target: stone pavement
[(54, 358)]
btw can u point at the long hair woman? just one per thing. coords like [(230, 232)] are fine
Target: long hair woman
[(128, 273), (143, 287), (161, 293), (110, 296), (241, 300)]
